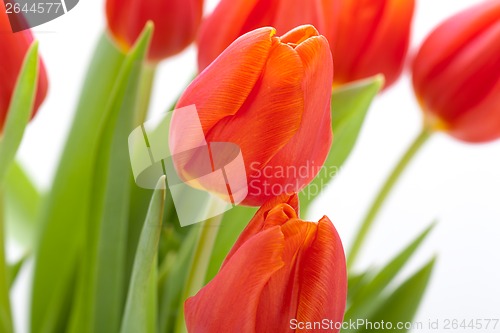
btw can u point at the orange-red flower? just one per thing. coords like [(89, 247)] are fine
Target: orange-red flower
[(176, 23), (14, 47), (281, 273), (270, 96), (367, 36), (372, 37), (456, 74)]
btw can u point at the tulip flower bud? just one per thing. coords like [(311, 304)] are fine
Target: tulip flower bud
[(176, 23), (372, 38), (282, 273), (456, 75), (14, 47), (270, 96)]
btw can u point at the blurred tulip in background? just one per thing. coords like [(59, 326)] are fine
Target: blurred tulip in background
[(367, 37), (176, 23), (456, 74)]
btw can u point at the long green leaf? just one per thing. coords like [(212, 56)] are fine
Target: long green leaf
[(20, 109), (113, 162), (350, 104), (401, 305), (66, 211), (18, 115), (22, 206), (367, 295), (140, 305), (171, 284)]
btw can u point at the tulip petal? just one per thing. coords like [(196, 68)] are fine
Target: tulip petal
[(257, 223), (481, 123), (477, 65), (212, 41), (176, 23), (229, 302), (352, 38), (386, 51), (304, 155), (280, 298), (323, 277), (270, 117), (221, 89)]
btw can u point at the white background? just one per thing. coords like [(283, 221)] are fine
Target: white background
[(455, 183)]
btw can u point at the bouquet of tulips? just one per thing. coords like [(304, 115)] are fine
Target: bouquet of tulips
[(195, 221)]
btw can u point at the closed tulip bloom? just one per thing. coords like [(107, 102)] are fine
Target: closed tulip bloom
[(282, 271), (233, 18), (14, 47), (372, 38), (176, 23), (270, 96), (456, 74)]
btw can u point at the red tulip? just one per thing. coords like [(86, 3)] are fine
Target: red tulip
[(456, 74), (372, 38), (271, 97), (367, 36), (281, 273), (14, 47), (176, 23)]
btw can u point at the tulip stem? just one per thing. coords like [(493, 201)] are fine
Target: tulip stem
[(144, 95), (5, 311), (199, 265), (384, 192)]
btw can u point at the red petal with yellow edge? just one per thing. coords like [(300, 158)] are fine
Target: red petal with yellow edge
[(323, 277), (280, 298), (308, 149), (270, 117), (258, 222), (229, 302)]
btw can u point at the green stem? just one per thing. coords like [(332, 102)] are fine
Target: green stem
[(5, 311), (383, 194), (199, 266), (144, 95)]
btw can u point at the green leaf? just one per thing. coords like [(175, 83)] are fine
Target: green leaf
[(366, 297), (141, 300), (350, 104), (20, 109), (22, 206), (5, 310), (67, 209), (114, 186), (171, 283), (401, 305), (18, 115), (233, 223)]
